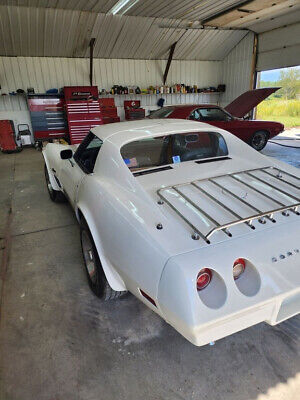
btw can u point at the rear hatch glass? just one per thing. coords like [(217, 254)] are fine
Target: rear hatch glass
[(173, 149)]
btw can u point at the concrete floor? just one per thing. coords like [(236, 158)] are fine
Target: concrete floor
[(285, 147), (59, 342)]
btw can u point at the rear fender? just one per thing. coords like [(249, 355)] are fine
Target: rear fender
[(112, 276), (53, 182)]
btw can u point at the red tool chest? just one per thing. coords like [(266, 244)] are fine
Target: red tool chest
[(109, 110), (107, 102), (83, 111), (133, 110), (47, 116)]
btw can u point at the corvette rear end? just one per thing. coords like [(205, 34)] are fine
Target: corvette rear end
[(246, 224), (215, 291), (249, 270)]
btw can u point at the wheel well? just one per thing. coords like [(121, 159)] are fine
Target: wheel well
[(79, 215), (113, 278)]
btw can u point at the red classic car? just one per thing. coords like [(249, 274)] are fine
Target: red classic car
[(256, 133)]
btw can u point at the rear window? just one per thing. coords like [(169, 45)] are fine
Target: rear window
[(163, 112), (172, 149)]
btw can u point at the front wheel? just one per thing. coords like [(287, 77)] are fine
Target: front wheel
[(95, 274), (259, 140)]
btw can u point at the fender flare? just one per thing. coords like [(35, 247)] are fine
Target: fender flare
[(50, 173), (114, 279)]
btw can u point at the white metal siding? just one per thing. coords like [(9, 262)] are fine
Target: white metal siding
[(43, 73), (279, 48), (236, 69), (15, 108)]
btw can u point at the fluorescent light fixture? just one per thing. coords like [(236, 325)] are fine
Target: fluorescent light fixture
[(120, 6)]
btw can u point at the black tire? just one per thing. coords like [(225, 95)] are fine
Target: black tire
[(93, 267), (55, 195), (259, 140)]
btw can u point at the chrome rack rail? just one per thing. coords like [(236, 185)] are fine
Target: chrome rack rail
[(264, 182)]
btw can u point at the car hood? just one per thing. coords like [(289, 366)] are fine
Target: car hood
[(248, 100)]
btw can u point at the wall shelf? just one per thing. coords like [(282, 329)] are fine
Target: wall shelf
[(158, 94)]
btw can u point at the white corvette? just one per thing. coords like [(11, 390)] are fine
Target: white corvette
[(188, 218)]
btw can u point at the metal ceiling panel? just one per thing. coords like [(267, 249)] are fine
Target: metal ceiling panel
[(188, 10), (83, 5), (193, 10), (52, 32)]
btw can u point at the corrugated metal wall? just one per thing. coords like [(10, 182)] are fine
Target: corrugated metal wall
[(236, 69), (279, 48), (15, 108), (43, 73)]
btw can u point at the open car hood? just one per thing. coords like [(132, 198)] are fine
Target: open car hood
[(248, 100)]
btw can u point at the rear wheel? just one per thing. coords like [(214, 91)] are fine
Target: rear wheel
[(95, 274), (259, 140), (55, 195)]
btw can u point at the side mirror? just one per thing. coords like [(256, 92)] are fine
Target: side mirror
[(66, 154)]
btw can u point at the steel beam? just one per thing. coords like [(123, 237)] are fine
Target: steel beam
[(92, 44)]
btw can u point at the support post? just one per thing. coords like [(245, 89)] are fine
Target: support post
[(92, 44), (254, 63), (172, 49), (253, 77)]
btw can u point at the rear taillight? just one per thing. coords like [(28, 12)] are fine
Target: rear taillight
[(204, 278), (238, 268)]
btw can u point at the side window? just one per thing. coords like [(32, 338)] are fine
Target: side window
[(87, 153)]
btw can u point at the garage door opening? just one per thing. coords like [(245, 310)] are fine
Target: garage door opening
[(284, 105)]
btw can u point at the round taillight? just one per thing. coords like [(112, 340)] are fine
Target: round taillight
[(238, 268), (203, 278)]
